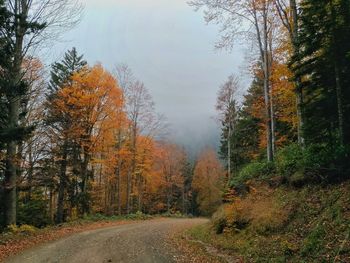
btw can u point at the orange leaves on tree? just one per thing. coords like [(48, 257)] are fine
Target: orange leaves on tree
[(208, 181)]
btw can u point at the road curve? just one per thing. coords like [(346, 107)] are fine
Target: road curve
[(145, 242)]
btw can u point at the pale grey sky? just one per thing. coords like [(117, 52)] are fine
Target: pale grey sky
[(170, 48)]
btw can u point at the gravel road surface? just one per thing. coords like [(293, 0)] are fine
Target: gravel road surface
[(145, 242)]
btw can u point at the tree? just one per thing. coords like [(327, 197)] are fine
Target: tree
[(226, 105), (288, 12), (139, 107), (259, 16), (62, 71), (25, 27), (323, 66), (169, 176), (208, 181), (61, 76), (246, 137), (91, 102)]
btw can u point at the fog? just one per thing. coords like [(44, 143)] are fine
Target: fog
[(170, 48)]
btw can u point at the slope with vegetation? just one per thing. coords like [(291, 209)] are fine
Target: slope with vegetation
[(286, 146)]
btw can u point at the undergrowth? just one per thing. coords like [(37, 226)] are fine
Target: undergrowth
[(284, 224)]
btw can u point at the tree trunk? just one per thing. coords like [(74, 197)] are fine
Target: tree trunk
[(131, 172), (84, 183), (30, 171), (118, 187), (170, 190), (273, 125), (267, 93), (51, 205), (62, 185), (140, 190), (338, 85), (10, 193), (128, 191), (184, 201), (229, 135), (339, 103), (263, 47), (298, 91)]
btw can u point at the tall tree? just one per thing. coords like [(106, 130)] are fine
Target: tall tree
[(26, 26), (143, 120), (244, 19), (226, 105), (246, 137), (323, 66), (88, 102), (288, 11), (61, 77), (62, 71), (208, 181)]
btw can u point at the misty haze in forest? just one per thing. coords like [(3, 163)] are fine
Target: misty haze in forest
[(170, 49)]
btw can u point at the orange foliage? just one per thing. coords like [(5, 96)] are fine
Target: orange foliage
[(114, 150), (282, 96), (208, 181)]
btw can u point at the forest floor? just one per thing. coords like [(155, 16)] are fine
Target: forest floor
[(157, 241)]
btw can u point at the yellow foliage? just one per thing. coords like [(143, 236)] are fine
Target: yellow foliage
[(258, 211)]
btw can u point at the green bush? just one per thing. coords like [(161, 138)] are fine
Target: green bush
[(251, 171), (324, 157), (289, 160), (98, 217), (33, 211), (138, 216), (315, 161)]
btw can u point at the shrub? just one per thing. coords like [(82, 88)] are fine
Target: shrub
[(178, 214), (233, 217), (27, 229), (23, 229), (325, 157), (34, 211), (12, 229), (290, 160), (138, 216), (219, 220), (251, 171), (313, 162), (95, 217)]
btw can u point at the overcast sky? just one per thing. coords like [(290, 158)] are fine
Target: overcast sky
[(170, 48)]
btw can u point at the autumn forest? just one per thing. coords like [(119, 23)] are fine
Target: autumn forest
[(80, 139)]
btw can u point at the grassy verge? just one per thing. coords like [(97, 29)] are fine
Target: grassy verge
[(311, 224)]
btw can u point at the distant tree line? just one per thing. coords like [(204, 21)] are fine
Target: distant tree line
[(76, 139)]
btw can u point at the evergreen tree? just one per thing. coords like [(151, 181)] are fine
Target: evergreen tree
[(15, 26), (245, 136), (61, 74), (323, 65), (62, 71)]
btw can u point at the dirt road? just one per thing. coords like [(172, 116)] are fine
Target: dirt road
[(145, 242)]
